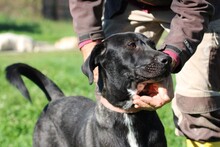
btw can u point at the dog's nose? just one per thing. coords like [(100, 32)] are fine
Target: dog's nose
[(164, 59)]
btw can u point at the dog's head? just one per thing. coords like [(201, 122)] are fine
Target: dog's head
[(124, 60)]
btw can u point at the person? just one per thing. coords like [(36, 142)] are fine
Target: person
[(196, 65)]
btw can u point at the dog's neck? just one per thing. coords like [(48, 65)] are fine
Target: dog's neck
[(109, 106)]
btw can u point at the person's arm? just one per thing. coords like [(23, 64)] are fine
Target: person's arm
[(87, 24), (187, 28), (86, 16)]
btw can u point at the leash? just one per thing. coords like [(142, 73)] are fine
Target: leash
[(108, 105)]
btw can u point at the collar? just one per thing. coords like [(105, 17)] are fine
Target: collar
[(108, 105)]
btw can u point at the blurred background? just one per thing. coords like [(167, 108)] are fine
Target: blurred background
[(52, 9), (42, 24), (40, 33)]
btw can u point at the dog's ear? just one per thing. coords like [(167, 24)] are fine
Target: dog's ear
[(92, 61)]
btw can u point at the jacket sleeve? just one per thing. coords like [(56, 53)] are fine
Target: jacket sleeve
[(187, 27), (86, 16)]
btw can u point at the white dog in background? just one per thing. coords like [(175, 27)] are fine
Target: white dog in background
[(24, 43), (15, 42)]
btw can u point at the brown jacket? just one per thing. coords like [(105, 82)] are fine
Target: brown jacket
[(187, 27)]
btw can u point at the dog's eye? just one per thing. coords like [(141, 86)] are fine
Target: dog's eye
[(132, 44)]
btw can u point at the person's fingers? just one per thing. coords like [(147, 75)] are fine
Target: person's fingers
[(154, 102), (165, 88), (140, 104), (136, 97), (163, 94)]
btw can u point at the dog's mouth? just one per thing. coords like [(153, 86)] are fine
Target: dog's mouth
[(147, 88), (145, 85)]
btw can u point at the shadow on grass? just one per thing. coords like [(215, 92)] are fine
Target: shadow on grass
[(27, 27)]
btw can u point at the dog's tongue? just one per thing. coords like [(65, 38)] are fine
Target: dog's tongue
[(149, 89)]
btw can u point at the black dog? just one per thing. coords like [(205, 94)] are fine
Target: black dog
[(124, 60)]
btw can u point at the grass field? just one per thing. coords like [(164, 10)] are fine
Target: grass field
[(18, 116)]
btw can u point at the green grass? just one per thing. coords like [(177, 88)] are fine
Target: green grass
[(18, 116)]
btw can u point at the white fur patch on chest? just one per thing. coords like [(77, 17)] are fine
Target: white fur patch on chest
[(131, 134), (132, 92)]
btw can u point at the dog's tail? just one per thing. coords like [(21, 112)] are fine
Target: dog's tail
[(14, 73)]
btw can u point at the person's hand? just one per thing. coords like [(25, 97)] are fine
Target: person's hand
[(158, 95), (86, 51)]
